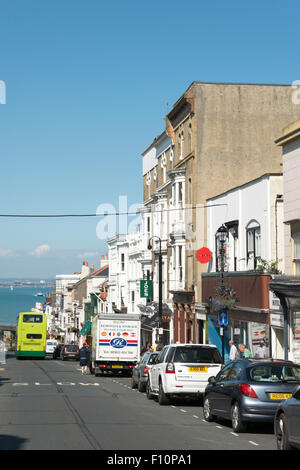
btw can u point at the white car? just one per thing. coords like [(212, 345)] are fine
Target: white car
[(182, 370), (51, 345)]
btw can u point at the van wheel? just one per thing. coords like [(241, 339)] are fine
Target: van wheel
[(237, 424), (163, 399)]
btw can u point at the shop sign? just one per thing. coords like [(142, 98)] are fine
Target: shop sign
[(276, 319), (146, 288)]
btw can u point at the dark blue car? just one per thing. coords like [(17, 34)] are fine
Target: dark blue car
[(287, 423), (250, 390)]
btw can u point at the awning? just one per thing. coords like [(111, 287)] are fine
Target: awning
[(86, 328)]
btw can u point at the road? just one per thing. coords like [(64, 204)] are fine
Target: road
[(48, 405)]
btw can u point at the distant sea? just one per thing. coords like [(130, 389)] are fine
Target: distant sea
[(20, 299)]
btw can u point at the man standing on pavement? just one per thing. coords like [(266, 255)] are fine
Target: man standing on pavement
[(233, 351), (244, 351)]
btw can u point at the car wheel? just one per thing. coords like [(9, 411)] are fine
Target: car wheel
[(208, 416), (237, 424), (162, 397), (282, 438), (141, 386), (148, 391), (133, 383)]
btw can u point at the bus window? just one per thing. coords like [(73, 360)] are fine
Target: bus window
[(33, 336), (32, 318)]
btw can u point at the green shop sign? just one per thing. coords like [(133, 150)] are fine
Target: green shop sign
[(146, 289)]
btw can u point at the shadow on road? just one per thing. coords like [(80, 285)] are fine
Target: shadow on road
[(8, 442)]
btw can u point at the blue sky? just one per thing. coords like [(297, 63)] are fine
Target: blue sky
[(86, 90)]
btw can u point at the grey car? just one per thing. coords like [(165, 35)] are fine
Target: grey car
[(140, 372), (250, 390), (287, 423)]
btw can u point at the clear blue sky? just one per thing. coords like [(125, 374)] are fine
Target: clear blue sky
[(87, 85)]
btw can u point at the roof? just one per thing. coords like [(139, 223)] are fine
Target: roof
[(101, 272)]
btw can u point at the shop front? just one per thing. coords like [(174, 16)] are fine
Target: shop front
[(249, 317)]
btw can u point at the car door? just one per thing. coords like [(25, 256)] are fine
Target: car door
[(294, 418), (229, 387), (157, 368), (217, 396)]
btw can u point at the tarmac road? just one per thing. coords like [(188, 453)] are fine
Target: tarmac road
[(48, 405)]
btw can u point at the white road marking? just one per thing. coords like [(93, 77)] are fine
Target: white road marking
[(234, 434), (254, 443), (219, 427), (183, 411), (38, 383), (66, 383), (195, 416), (20, 384)]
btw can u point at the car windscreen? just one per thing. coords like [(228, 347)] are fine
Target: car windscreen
[(274, 372), (197, 355), (71, 347)]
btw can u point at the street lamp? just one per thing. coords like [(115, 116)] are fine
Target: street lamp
[(159, 284), (222, 234)]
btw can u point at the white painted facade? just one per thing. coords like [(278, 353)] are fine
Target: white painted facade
[(252, 206)]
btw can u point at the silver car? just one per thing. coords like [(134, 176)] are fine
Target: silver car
[(140, 371), (250, 390)]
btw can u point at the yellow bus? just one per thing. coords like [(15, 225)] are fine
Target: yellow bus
[(31, 335)]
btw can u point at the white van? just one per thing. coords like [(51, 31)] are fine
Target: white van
[(51, 345)]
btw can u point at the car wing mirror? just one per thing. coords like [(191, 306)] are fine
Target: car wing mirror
[(212, 380)]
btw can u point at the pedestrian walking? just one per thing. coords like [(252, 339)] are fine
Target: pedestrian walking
[(245, 353), (233, 351), (84, 354)]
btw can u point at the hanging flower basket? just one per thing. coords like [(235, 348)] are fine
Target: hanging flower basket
[(222, 301)]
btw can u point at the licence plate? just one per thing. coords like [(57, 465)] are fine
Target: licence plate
[(72, 355), (198, 369), (117, 367), (280, 396)]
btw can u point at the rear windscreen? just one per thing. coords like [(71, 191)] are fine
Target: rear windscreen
[(33, 336), (274, 373), (71, 347), (197, 355), (152, 358)]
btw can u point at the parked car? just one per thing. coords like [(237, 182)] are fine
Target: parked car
[(140, 372), (69, 351), (57, 350), (182, 370), (287, 423), (250, 390), (50, 346)]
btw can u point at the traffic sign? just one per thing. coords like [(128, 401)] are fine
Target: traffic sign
[(204, 255), (223, 318)]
